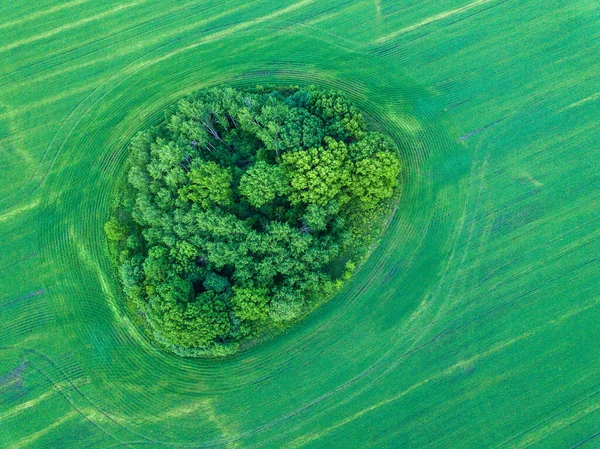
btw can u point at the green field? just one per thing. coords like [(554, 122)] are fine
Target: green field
[(474, 324)]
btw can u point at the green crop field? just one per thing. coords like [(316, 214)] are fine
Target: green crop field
[(476, 321)]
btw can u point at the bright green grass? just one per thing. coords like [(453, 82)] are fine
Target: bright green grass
[(476, 323)]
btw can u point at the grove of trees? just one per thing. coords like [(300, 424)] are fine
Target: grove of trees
[(244, 210)]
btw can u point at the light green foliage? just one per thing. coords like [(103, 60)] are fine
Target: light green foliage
[(210, 185), (349, 269), (375, 178), (286, 305), (262, 183), (185, 254), (250, 303), (239, 205), (318, 175), (115, 230), (282, 311)]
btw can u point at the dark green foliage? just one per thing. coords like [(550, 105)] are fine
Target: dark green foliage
[(239, 204)]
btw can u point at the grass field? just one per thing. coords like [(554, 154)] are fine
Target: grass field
[(474, 324)]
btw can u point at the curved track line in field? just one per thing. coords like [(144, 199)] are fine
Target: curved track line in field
[(78, 410), (217, 442), (63, 391)]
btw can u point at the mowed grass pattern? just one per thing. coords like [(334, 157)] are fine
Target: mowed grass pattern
[(475, 323)]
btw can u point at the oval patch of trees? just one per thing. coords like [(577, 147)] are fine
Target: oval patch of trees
[(244, 210)]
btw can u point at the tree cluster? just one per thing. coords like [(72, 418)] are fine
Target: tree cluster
[(238, 208)]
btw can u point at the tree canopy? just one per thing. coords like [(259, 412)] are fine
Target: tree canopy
[(239, 206)]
